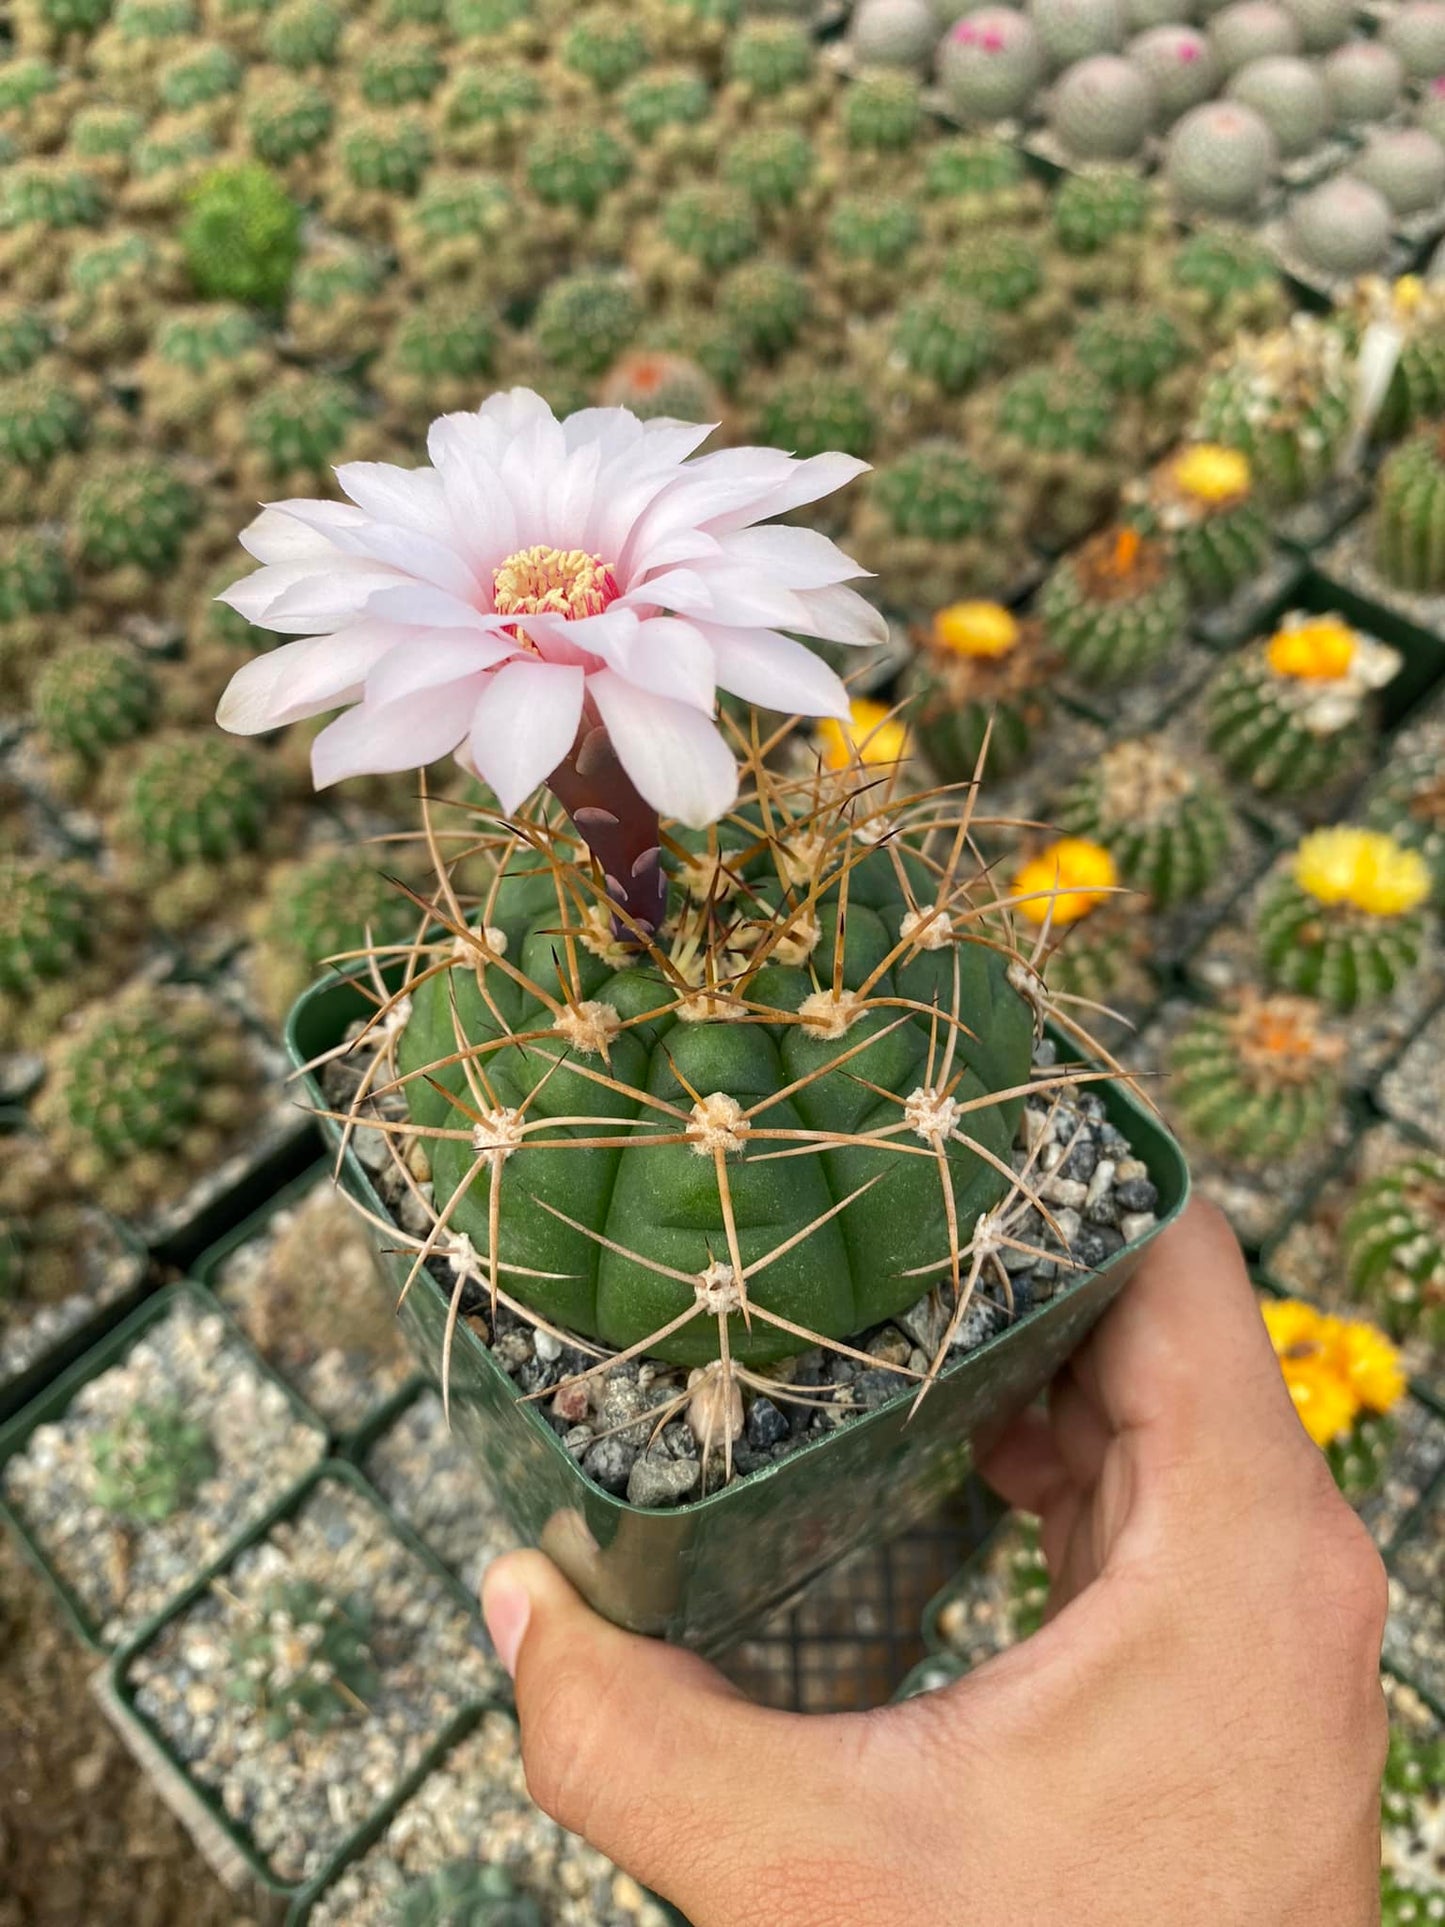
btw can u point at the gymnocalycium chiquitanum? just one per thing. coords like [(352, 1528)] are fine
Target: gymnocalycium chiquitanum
[(724, 1061)]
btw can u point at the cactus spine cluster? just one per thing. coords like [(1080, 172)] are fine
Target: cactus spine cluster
[(1257, 1081), (1166, 823)]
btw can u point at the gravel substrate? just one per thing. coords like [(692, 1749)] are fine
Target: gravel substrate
[(299, 1795), (428, 1477), (307, 1293), (1417, 1457), (1413, 1089), (1415, 1635), (101, 1270), (122, 1571), (1306, 1261), (1100, 1196), (1000, 1597), (1413, 1833), (475, 1807)]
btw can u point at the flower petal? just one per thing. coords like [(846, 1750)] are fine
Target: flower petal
[(411, 497), (424, 607), (524, 723), (379, 739), (841, 615), (776, 673), (325, 597), (288, 532), (301, 679), (798, 558), (673, 753), (422, 659), (671, 658), (805, 481), (420, 556)]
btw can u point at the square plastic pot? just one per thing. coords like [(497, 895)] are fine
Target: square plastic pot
[(702, 1573)]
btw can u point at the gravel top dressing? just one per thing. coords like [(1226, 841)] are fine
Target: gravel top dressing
[(427, 1476)]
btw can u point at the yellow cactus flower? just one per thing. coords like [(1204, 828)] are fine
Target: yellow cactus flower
[(872, 734), (1334, 1367), (1211, 473), (976, 629), (1318, 651), (1409, 292), (1077, 875), (1325, 1402), (1363, 868), (1291, 1324), (1370, 1363)]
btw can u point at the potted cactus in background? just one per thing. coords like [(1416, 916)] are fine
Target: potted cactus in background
[(726, 1064)]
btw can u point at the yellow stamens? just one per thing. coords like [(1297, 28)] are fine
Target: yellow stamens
[(872, 734), (1318, 651), (546, 581), (1365, 869), (976, 629), (1211, 473), (1066, 881)]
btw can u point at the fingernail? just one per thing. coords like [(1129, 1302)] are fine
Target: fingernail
[(506, 1607)]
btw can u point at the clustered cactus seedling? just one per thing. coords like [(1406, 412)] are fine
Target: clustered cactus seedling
[(465, 1893), (242, 236), (62, 941), (1166, 823), (1347, 920), (1392, 1241), (302, 1659), (320, 908), (1258, 1080), (91, 697), (935, 524), (151, 1464)]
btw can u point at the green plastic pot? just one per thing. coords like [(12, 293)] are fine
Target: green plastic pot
[(334, 1471), (207, 1271), (55, 1400), (703, 1573)]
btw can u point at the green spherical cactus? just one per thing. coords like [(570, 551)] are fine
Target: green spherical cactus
[(1359, 1461), (574, 165), (198, 799), (771, 165), (338, 306), (1166, 822), (979, 673), (151, 1464), (1295, 713), (832, 1278), (991, 65), (464, 1893), (490, 20), (1091, 212), (1392, 1240), (464, 225), (91, 697), (199, 341), (1290, 98), (172, 161), (1052, 440), (304, 33), (321, 908), (47, 921), (301, 426), (1346, 920), (1342, 227), (443, 351), (1103, 109), (1115, 608), (585, 320), (25, 335), (1002, 272), (1226, 279), (1403, 1904), (1221, 159), (385, 153), (809, 414), (1201, 501), (1407, 800), (106, 135), (1257, 1081), (49, 194), (487, 113), (882, 113), (874, 231), (145, 20), (196, 78), (662, 98), (60, 20), (133, 512), (936, 491), (765, 304), (606, 46), (1131, 350), (948, 342), (35, 579), (934, 525), (714, 226), (400, 72), (1410, 514), (976, 180), (766, 59), (301, 1658), (242, 235), (1286, 401), (41, 417)]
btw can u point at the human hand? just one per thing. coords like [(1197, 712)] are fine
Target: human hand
[(1194, 1738)]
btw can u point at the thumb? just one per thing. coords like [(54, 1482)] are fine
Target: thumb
[(648, 1752)]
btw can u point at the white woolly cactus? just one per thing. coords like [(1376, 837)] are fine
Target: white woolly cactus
[(1365, 80), (1323, 24), (1249, 30), (1416, 32), (1071, 30), (1181, 64), (892, 33), (991, 64), (1221, 159), (1103, 109), (1290, 97), (1341, 227), (1406, 165)]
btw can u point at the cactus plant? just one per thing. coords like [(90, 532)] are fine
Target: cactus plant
[(91, 697), (1105, 221), (1225, 281), (385, 154), (1290, 97), (575, 166), (25, 335), (104, 137), (199, 77), (809, 413), (1071, 30), (991, 64), (242, 235), (1166, 823), (1340, 228), (318, 908), (146, 1092), (402, 71), (1132, 351), (197, 799), (464, 1893), (1346, 920), (882, 114), (1343, 1379), (300, 425), (41, 417), (948, 343), (203, 359), (61, 939), (714, 227), (468, 227), (654, 383), (1201, 500), (50, 195), (1408, 800), (1416, 32), (304, 33), (337, 306), (606, 46), (302, 1659), (1404, 164), (1392, 1240), (151, 1463), (585, 320), (1286, 401), (978, 181), (892, 33), (1250, 30), (1115, 608), (1069, 890), (770, 63), (1365, 80), (132, 513), (1323, 24), (764, 303), (1409, 505), (1221, 159), (869, 241), (1294, 713), (1180, 64), (439, 356), (483, 112), (936, 525), (1103, 109), (1051, 441), (1259, 1080), (979, 672)]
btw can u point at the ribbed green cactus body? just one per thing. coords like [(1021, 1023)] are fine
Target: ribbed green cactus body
[(1111, 630), (1130, 349), (130, 1082), (400, 72), (810, 414), (302, 425), (1345, 957), (1417, 392), (1358, 1461), (50, 194), (663, 1203), (949, 342), (576, 166), (151, 1463), (45, 925), (1168, 827), (937, 492), (324, 905), (1092, 211), (951, 733), (199, 76), (1393, 1244), (40, 418), (1287, 403), (666, 97), (92, 697), (1258, 723), (303, 1659), (1408, 803), (464, 1893), (764, 304), (290, 118), (1221, 551), (882, 112), (199, 799), (242, 235), (585, 320), (1237, 1107), (133, 512), (25, 335), (34, 579), (1410, 514)]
